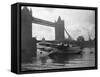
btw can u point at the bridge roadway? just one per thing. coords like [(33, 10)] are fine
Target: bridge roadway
[(43, 22)]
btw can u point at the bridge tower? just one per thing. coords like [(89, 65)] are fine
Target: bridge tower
[(59, 30), (27, 43)]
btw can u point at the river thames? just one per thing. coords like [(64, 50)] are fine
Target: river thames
[(85, 59)]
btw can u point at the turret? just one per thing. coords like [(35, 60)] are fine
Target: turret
[(59, 19), (59, 30), (30, 11)]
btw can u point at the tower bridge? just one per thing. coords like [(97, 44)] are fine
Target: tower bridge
[(59, 27), (28, 44)]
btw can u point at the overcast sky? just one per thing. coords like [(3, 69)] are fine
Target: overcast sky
[(77, 22)]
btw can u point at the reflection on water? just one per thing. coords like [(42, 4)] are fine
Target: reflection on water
[(54, 61)]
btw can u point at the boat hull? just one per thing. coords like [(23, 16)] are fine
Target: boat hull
[(70, 50)]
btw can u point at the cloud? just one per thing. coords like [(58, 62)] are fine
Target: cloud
[(77, 22)]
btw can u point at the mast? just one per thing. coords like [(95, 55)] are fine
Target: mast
[(69, 37)]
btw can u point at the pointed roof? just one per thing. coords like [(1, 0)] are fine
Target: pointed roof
[(25, 9), (59, 18)]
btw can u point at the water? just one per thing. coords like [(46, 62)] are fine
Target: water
[(43, 61)]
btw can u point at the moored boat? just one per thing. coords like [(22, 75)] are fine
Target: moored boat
[(58, 48)]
